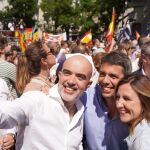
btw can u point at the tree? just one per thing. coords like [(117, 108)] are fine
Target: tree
[(83, 14), (61, 12), (22, 9)]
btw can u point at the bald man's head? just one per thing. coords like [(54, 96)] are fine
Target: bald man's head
[(74, 77), (80, 61)]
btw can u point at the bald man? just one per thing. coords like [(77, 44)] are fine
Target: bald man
[(55, 121)]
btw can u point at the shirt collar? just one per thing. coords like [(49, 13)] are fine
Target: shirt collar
[(54, 94)]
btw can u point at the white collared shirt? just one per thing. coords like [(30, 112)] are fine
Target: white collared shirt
[(47, 121)]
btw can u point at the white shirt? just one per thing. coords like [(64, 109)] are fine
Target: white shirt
[(47, 121), (135, 65), (5, 95), (140, 138)]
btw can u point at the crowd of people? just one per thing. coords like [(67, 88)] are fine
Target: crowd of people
[(70, 96)]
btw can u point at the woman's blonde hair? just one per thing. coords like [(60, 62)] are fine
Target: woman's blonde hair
[(29, 64), (141, 85)]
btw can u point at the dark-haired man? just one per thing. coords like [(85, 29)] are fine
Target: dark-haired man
[(144, 60), (102, 127)]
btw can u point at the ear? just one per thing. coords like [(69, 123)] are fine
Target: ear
[(59, 74), (89, 84), (44, 61)]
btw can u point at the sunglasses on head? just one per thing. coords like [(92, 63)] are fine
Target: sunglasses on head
[(50, 52)]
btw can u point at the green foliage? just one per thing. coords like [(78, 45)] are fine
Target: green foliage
[(81, 13), (25, 9), (62, 12), (66, 14)]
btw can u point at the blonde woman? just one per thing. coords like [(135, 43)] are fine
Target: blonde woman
[(133, 104), (33, 68)]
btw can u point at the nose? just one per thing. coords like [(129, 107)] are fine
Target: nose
[(106, 79), (119, 103), (72, 80)]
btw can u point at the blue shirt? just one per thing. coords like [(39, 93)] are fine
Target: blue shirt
[(101, 133)]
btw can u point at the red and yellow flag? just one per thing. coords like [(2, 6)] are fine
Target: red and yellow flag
[(22, 42), (87, 38), (21, 38), (111, 27)]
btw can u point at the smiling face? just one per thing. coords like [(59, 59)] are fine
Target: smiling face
[(74, 78), (109, 77), (128, 104)]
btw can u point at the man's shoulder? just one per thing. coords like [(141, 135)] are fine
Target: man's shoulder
[(91, 94), (7, 64), (53, 91), (33, 98), (33, 94)]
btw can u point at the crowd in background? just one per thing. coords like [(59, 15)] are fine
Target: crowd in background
[(120, 87)]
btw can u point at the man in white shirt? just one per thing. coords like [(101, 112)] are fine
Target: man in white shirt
[(53, 122), (6, 135)]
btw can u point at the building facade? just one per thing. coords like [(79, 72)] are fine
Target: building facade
[(3, 4), (139, 16)]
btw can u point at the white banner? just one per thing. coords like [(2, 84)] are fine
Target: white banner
[(55, 37)]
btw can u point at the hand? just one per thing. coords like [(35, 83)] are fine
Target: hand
[(8, 141)]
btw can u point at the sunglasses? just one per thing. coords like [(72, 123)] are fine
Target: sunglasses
[(51, 52)]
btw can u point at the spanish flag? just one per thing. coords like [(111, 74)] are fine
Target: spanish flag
[(21, 39), (87, 38), (22, 42), (111, 27), (35, 36)]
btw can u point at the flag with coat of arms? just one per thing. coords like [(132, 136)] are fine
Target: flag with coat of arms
[(87, 38)]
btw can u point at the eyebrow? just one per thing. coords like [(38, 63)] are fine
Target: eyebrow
[(83, 76), (77, 74), (110, 74), (114, 74), (66, 70)]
